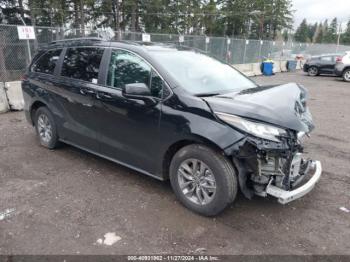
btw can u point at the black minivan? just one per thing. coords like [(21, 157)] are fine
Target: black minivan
[(173, 113)]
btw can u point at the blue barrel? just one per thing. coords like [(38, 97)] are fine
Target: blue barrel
[(267, 68), (291, 65)]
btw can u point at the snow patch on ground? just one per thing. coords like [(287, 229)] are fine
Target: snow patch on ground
[(344, 209), (110, 238), (7, 213)]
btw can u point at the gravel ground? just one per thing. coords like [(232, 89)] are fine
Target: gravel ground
[(65, 200)]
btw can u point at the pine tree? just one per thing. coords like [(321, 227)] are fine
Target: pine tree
[(302, 33), (258, 18), (212, 21), (285, 35), (318, 35), (331, 32), (279, 16), (12, 11), (312, 30), (345, 38)]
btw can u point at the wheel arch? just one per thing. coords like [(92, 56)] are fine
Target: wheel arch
[(314, 65), (176, 146), (346, 68), (34, 107)]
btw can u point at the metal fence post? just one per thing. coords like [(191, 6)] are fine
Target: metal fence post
[(260, 47), (207, 40), (228, 56), (245, 50)]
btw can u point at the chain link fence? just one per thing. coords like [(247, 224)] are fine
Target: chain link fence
[(16, 54)]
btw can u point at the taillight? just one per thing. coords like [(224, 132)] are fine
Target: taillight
[(338, 59)]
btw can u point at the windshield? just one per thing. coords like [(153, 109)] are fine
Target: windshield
[(201, 74)]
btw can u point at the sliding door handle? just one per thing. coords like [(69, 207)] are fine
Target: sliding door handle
[(87, 91), (104, 96)]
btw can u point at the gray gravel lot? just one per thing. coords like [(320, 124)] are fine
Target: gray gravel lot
[(66, 199)]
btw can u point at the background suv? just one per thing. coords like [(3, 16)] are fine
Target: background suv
[(323, 64), (342, 67)]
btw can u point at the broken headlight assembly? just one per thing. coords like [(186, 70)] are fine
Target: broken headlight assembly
[(257, 129)]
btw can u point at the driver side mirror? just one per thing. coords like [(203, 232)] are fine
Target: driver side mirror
[(138, 91)]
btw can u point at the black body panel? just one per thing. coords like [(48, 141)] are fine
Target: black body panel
[(271, 104)]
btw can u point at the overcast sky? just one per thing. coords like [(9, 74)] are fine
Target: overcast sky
[(319, 10)]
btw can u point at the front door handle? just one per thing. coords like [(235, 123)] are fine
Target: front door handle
[(86, 91), (104, 96)]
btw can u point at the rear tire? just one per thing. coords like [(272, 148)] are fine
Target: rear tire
[(312, 71), (203, 180), (346, 75), (45, 127)]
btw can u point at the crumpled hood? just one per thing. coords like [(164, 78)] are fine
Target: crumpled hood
[(283, 105)]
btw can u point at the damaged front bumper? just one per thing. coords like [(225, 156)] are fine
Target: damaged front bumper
[(285, 196), (277, 169)]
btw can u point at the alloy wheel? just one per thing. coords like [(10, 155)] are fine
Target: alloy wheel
[(44, 128), (197, 181), (313, 71), (347, 76)]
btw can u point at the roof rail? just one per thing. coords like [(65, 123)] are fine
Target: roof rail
[(76, 39)]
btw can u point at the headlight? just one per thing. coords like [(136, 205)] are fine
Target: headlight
[(257, 129)]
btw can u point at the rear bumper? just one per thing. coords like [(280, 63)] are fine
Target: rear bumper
[(339, 68), (338, 72), (285, 196)]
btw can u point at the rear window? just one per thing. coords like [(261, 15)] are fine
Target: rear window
[(82, 63), (47, 62)]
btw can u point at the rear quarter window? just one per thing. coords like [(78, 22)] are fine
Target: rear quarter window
[(327, 58), (46, 63)]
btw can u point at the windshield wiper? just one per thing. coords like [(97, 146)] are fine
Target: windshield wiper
[(207, 94)]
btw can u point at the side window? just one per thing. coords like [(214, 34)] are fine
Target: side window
[(128, 68), (326, 58), (156, 85), (82, 63), (47, 62)]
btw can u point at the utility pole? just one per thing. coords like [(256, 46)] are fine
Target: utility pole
[(339, 33)]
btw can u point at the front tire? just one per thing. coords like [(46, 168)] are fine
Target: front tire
[(313, 71), (45, 127), (346, 75), (203, 180)]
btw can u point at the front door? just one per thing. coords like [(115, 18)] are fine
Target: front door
[(129, 128)]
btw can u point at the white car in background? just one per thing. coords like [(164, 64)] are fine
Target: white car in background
[(342, 66)]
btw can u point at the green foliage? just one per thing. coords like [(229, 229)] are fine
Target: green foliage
[(285, 35), (260, 19), (302, 32), (319, 34), (345, 39), (331, 32), (322, 32), (241, 18)]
